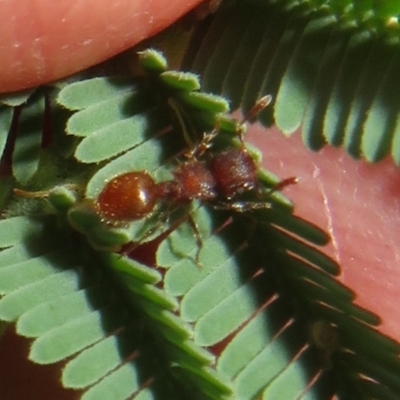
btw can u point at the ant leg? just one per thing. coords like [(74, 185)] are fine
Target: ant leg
[(198, 237), (187, 217), (134, 245), (196, 150), (242, 206), (205, 144), (276, 188), (180, 114), (282, 184), (245, 206), (43, 193)]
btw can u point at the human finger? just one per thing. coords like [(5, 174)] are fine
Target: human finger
[(44, 40)]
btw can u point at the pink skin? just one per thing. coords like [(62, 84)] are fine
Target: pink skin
[(358, 204), (44, 40)]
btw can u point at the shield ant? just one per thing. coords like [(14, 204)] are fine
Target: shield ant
[(216, 178)]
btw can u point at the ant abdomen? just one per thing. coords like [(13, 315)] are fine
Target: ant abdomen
[(129, 196)]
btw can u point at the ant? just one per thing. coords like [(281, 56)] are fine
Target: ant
[(218, 179)]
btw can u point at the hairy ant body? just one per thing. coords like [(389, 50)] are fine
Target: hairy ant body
[(134, 195), (217, 179)]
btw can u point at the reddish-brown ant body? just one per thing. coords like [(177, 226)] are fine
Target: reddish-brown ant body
[(217, 180), (134, 195)]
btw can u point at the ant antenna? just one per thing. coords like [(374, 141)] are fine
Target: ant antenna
[(260, 104)]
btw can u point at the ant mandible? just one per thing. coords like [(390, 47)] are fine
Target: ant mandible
[(218, 180)]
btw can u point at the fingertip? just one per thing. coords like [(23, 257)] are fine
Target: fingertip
[(46, 40)]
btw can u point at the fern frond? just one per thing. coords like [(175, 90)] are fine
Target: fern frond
[(331, 67), (21, 132), (66, 301), (263, 314)]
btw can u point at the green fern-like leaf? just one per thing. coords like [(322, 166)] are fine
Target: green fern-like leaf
[(237, 316), (74, 311), (331, 67)]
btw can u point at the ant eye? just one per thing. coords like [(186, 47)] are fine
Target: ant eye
[(128, 197)]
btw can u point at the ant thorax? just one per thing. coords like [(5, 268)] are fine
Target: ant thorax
[(192, 180)]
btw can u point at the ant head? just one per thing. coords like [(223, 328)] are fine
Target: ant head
[(235, 171)]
